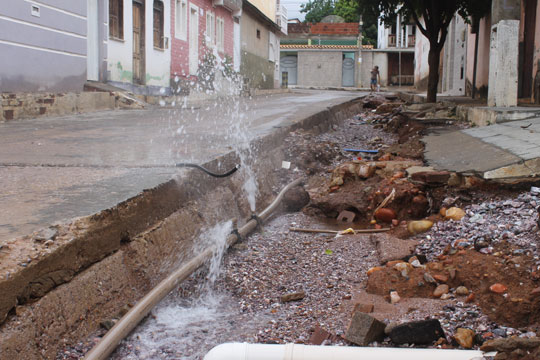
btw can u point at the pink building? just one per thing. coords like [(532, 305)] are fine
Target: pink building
[(200, 28)]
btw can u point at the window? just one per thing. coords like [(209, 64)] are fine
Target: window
[(220, 33), (158, 24), (180, 28), (258, 34), (116, 19), (210, 28)]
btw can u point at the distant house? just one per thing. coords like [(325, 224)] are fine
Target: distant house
[(51, 46), (395, 52), (203, 33), (261, 24), (323, 54)]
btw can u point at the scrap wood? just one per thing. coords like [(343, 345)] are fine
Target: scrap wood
[(323, 231), (388, 199)]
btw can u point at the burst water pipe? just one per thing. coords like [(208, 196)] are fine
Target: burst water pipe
[(244, 351), (130, 320)]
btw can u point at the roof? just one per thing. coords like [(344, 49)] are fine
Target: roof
[(324, 28), (334, 47)]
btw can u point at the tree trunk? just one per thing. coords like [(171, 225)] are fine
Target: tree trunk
[(433, 78)]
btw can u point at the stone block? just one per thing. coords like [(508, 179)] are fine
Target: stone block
[(364, 329), (417, 332)]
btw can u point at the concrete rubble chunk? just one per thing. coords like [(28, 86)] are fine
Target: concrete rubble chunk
[(510, 344), (364, 329), (417, 332)]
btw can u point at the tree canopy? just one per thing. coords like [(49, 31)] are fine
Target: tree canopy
[(349, 10), (432, 17)]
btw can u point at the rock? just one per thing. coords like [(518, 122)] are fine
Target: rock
[(441, 278), (429, 279), (389, 327), (419, 226), (293, 296), (46, 234), (404, 268), (445, 296), (394, 297), (107, 324), (295, 199), (462, 291), (364, 329), (454, 213), (366, 171), (510, 344), (365, 308), (498, 288), (464, 337), (417, 332), (373, 269), (385, 215), (440, 290), (470, 298)]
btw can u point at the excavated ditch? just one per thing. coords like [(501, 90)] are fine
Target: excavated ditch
[(67, 281), (327, 276)]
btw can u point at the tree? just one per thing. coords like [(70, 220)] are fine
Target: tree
[(317, 9), (350, 11), (432, 17)]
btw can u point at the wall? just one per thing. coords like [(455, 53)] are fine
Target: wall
[(157, 61), (180, 47), (319, 68), (267, 7), (255, 57), (45, 53), (536, 44), (482, 69), (454, 58), (421, 68)]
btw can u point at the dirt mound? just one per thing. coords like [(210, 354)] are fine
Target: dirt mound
[(518, 304)]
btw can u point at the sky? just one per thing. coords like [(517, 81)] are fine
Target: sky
[(293, 8)]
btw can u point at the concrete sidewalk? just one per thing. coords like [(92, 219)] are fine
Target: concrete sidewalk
[(503, 151), (54, 169)]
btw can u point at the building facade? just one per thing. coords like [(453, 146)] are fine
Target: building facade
[(52, 45), (202, 39), (323, 54), (139, 49), (259, 43)]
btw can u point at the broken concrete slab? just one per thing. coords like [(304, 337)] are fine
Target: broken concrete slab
[(392, 248), (503, 151)]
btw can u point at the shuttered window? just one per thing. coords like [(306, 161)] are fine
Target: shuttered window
[(116, 19), (158, 24)]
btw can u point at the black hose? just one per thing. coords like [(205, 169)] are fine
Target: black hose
[(228, 173)]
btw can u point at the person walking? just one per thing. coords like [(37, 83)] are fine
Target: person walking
[(375, 78)]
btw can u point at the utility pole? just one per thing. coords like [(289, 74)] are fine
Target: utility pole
[(360, 30)]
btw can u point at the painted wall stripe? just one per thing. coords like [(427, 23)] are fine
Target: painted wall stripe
[(7, 18), (36, 2), (67, 53)]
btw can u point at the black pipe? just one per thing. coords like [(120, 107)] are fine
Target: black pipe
[(228, 173)]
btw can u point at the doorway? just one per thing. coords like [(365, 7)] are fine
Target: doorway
[(347, 70), (138, 42), (193, 40), (527, 59)]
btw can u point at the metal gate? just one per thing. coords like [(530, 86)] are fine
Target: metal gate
[(289, 65), (348, 72)]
